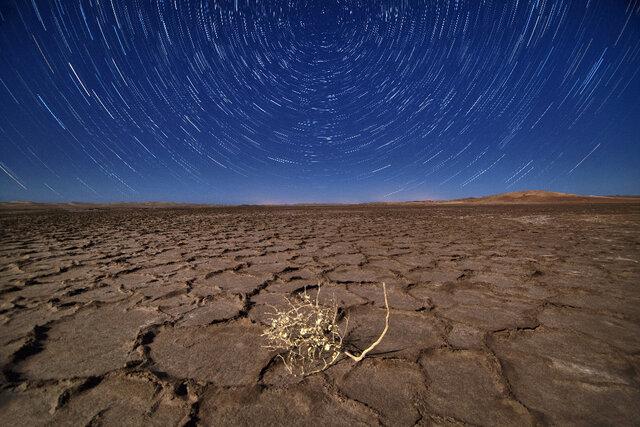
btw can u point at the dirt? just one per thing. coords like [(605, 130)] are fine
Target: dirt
[(500, 315)]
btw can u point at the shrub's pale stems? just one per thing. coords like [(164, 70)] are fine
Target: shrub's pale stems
[(308, 336)]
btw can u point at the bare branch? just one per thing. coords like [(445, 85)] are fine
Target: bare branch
[(384, 331), (310, 336)]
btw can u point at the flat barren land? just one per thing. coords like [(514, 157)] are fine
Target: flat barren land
[(500, 315)]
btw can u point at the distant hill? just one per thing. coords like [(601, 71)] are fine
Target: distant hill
[(516, 197), (539, 196)]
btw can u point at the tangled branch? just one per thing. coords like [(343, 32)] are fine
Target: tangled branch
[(308, 336)]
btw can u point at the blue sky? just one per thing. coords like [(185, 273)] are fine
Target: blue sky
[(316, 101)]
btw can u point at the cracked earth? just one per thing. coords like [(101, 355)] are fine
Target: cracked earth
[(500, 315)]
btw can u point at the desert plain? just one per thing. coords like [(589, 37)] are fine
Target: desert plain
[(501, 314)]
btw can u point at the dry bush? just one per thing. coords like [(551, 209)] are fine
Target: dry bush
[(308, 336)]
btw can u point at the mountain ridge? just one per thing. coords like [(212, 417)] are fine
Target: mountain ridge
[(542, 196), (514, 197)]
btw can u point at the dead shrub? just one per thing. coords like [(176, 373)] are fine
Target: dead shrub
[(308, 336)]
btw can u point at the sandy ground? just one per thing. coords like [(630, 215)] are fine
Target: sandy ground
[(501, 315)]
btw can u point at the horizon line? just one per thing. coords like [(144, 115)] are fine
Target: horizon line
[(487, 197)]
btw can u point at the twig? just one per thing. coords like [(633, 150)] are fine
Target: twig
[(311, 336), (384, 331)]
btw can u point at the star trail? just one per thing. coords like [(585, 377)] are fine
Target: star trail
[(251, 101)]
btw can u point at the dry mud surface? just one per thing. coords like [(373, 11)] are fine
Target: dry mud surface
[(500, 315)]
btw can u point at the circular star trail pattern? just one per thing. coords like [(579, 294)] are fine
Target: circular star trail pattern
[(275, 101)]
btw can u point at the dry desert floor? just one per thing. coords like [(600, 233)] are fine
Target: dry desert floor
[(500, 315)]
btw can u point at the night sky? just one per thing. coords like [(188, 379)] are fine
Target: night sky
[(260, 101)]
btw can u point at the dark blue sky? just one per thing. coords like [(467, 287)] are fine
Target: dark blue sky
[(325, 100)]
